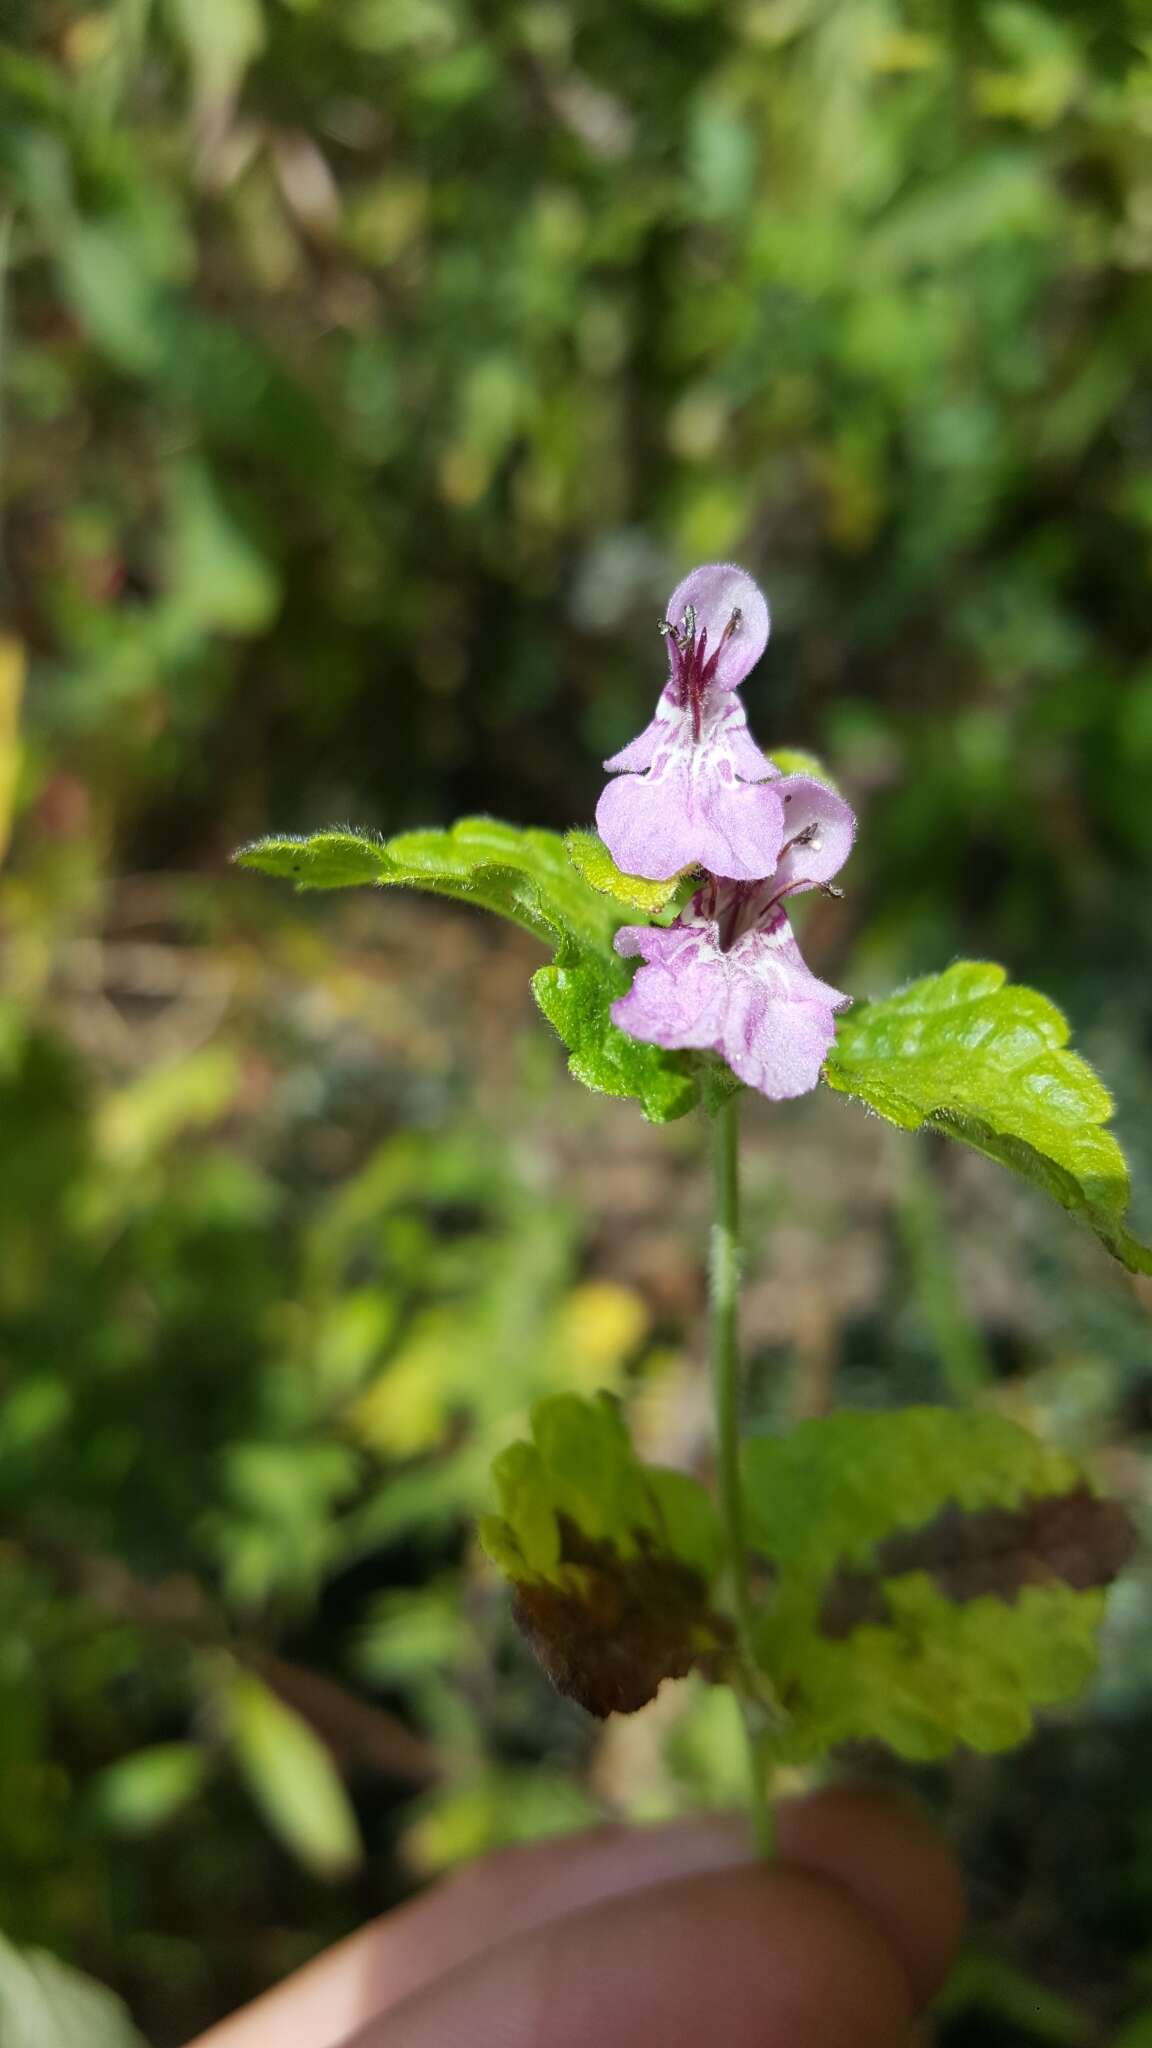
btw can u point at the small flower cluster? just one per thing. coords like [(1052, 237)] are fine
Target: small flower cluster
[(695, 791)]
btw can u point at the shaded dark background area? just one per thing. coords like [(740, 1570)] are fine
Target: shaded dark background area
[(370, 372)]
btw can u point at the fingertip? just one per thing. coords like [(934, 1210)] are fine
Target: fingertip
[(750, 1957), (884, 1851)]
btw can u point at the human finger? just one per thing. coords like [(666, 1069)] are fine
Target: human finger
[(755, 1957), (884, 1852), (897, 1865), (479, 1906)]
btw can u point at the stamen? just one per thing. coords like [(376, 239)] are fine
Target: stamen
[(684, 634), (734, 623), (697, 673)]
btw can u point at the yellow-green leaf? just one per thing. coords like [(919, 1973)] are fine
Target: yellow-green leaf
[(591, 859), (11, 694), (292, 1777), (140, 1792), (927, 1662), (612, 1560)]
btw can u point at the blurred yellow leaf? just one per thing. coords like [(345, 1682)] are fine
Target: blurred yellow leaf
[(405, 1410), (138, 1793), (712, 516), (598, 1327), (352, 1337), (466, 1820), (1037, 97), (140, 1121), (220, 40), (11, 696), (906, 51), (385, 218), (292, 1777)]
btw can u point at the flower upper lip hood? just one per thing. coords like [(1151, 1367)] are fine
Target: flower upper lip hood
[(716, 629), (694, 790)]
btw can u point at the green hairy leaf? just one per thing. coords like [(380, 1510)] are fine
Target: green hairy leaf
[(525, 876), (46, 2004), (591, 859), (612, 1559), (522, 875), (984, 1061), (581, 1464), (938, 1574), (575, 996)]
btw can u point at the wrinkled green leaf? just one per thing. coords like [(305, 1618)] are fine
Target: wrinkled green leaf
[(46, 2004), (937, 1671), (575, 995), (525, 876), (591, 859), (581, 1465), (320, 860), (612, 1560), (522, 875), (985, 1061), (292, 1777)]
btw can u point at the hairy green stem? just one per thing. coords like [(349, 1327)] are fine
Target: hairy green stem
[(725, 1271)]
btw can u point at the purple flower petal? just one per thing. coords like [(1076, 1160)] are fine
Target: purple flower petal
[(678, 1009), (777, 1047), (692, 790), (642, 751), (754, 1002), (715, 595), (656, 942), (819, 828), (692, 808), (748, 762), (773, 952)]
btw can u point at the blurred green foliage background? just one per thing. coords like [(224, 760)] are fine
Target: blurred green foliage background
[(370, 370)]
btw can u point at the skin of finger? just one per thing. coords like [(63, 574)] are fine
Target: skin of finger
[(886, 1852), (752, 1958), (875, 1846), (467, 1914)]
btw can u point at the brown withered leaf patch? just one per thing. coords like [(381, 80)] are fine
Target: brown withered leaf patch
[(634, 1622), (1071, 1539)]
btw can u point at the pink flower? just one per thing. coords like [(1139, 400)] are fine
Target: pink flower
[(694, 790), (728, 976)]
